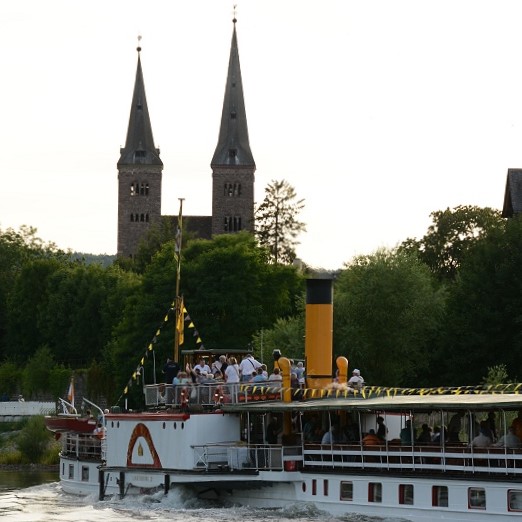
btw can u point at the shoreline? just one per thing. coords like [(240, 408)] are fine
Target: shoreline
[(31, 467)]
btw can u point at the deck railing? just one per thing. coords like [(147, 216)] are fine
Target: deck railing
[(344, 458), (83, 446), (233, 457), (208, 395), (412, 458)]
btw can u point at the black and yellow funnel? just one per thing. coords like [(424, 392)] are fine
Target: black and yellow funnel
[(319, 332)]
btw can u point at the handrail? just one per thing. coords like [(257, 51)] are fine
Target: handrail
[(434, 458)]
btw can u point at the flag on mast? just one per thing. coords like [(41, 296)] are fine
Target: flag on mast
[(70, 392)]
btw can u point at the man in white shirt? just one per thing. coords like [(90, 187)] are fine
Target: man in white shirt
[(248, 367), (202, 366), (356, 381)]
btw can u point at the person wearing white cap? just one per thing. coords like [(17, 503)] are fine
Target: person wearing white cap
[(356, 381)]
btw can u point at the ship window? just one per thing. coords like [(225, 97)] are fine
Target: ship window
[(406, 494), (325, 488), (374, 492), (71, 472), (314, 487), (515, 500), (439, 496), (346, 490), (85, 474), (477, 498)]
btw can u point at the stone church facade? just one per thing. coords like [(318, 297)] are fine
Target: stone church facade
[(140, 169)]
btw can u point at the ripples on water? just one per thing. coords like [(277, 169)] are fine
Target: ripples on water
[(46, 502)]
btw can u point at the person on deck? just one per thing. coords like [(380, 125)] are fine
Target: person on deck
[(406, 435), (170, 370), (509, 440), (275, 377), (454, 427), (356, 381), (482, 440), (425, 435), (371, 439), (382, 430), (517, 425), (248, 367), (202, 366)]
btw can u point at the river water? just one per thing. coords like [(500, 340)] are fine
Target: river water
[(37, 497)]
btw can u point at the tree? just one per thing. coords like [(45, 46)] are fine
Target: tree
[(287, 335), (17, 248), (276, 224), (451, 236), (387, 311), (232, 292), (484, 319)]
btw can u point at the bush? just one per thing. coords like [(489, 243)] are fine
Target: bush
[(34, 439)]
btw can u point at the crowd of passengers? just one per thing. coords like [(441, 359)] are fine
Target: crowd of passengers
[(228, 370), (483, 433)]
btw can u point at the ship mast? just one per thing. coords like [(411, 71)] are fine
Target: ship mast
[(178, 328)]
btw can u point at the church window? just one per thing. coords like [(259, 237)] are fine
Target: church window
[(142, 189), (232, 153), (132, 189), (237, 189), (132, 218), (142, 217), (233, 115), (147, 217), (139, 156), (146, 189), (232, 224)]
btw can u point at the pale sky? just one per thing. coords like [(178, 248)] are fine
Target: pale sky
[(376, 112)]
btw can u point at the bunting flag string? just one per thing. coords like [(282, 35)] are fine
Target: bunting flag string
[(183, 318), (149, 348), (368, 392)]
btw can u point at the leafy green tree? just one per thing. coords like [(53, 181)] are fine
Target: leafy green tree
[(231, 291), (16, 249), (10, 378), (452, 234), (287, 335), (27, 301), (387, 311), (276, 223), (84, 304), (485, 310), (37, 371), (34, 439)]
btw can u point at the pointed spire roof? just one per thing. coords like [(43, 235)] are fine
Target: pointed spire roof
[(139, 146), (233, 146)]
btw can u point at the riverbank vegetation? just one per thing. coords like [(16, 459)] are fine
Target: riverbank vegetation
[(27, 442), (440, 310)]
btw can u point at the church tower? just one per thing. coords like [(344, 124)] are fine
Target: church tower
[(139, 175), (233, 165)]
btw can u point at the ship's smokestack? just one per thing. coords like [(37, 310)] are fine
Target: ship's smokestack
[(318, 331)]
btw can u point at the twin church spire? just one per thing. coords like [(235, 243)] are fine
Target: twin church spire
[(140, 168)]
